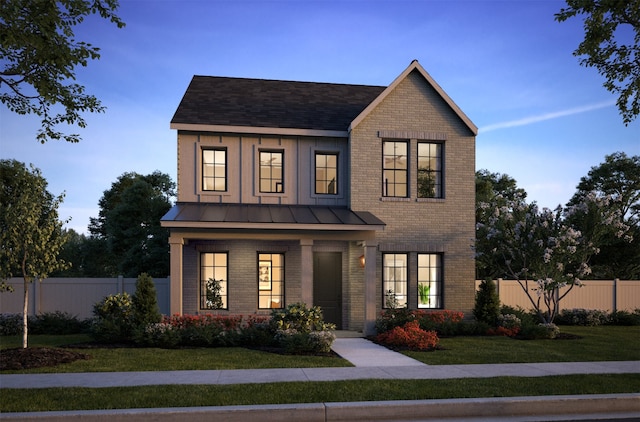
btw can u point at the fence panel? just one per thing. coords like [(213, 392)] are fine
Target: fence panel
[(74, 295), (604, 295)]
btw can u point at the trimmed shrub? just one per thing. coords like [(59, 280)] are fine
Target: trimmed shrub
[(394, 317), (301, 330), (487, 303), (625, 318), (159, 334), (10, 324), (145, 302), (57, 323), (409, 336), (583, 317), (114, 319)]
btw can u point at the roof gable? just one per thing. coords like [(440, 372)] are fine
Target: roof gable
[(415, 66), (240, 102)]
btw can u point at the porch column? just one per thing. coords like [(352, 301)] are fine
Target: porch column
[(175, 288), (306, 271), (369, 288)]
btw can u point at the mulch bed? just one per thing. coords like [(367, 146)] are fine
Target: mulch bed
[(37, 357)]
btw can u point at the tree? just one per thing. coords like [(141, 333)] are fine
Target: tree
[(129, 224), (605, 24), (487, 303), (39, 54), (538, 249), (31, 235), (492, 188), (616, 180), (145, 302)]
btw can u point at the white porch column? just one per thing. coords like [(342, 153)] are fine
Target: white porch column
[(369, 288), (175, 288), (306, 271)]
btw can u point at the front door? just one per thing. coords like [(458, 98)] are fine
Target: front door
[(327, 285)]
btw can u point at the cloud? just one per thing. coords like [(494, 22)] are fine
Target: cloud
[(547, 116)]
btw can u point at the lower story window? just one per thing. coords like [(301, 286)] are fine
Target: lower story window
[(213, 280), (394, 280), (270, 280), (430, 281)]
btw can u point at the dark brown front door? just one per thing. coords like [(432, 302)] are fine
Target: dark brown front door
[(327, 285)]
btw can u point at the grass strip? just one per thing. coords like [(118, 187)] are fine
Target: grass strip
[(57, 399)]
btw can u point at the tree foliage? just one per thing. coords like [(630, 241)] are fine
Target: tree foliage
[(39, 54), (606, 24), (145, 302), (617, 181), (31, 235), (539, 249), (129, 224)]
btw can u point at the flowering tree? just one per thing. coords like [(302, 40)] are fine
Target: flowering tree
[(539, 249)]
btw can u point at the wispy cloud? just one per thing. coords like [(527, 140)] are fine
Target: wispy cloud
[(547, 116)]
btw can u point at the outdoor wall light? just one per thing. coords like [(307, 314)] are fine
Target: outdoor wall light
[(361, 260)]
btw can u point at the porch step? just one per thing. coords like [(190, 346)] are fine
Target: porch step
[(362, 352)]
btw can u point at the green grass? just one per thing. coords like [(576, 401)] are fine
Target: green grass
[(154, 359), (52, 399), (602, 343)]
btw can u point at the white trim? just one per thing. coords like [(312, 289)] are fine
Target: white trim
[(260, 130)]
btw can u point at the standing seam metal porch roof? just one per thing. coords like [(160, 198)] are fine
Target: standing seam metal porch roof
[(244, 215)]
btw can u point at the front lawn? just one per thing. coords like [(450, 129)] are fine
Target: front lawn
[(601, 343)]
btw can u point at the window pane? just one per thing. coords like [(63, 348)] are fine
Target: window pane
[(270, 281), (394, 280), (214, 170), (326, 173), (394, 166), (430, 281), (213, 281), (429, 170), (271, 172)]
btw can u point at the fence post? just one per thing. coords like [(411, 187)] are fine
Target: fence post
[(120, 287), (615, 295)]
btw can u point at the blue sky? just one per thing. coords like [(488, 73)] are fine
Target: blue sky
[(544, 120)]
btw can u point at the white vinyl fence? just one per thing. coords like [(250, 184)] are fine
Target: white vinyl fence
[(603, 295), (74, 295)]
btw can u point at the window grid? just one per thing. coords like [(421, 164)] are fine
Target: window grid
[(213, 269), (394, 169), (326, 173), (394, 280), (270, 281), (214, 170), (429, 170), (430, 281), (271, 172)]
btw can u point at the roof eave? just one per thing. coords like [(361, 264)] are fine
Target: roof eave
[(269, 226), (259, 130), (415, 66)]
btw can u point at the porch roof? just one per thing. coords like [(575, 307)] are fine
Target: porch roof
[(275, 217)]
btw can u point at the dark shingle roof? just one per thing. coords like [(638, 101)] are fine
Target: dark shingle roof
[(225, 101)]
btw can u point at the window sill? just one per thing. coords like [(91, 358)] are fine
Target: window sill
[(394, 199), (430, 200)]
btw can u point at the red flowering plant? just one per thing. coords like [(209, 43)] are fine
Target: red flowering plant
[(213, 330), (409, 336)]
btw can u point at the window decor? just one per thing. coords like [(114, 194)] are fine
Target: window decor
[(271, 172), (326, 173), (270, 280), (213, 280), (394, 280), (430, 170), (214, 170), (394, 169), (430, 281)]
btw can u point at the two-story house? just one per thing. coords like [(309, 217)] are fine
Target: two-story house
[(350, 197)]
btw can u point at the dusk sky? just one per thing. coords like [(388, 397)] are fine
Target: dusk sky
[(543, 119)]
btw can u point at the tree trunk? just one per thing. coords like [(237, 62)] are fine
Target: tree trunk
[(25, 311)]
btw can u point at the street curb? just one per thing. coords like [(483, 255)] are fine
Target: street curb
[(627, 405)]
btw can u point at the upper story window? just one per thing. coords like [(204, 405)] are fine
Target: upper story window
[(271, 171), (214, 170), (430, 170), (394, 169), (326, 173)]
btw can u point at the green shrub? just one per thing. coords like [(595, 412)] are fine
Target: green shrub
[(57, 323), (159, 334), (394, 317), (538, 331), (625, 318), (114, 319), (487, 303), (301, 330), (145, 302), (583, 317), (10, 324), (313, 342), (526, 318)]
